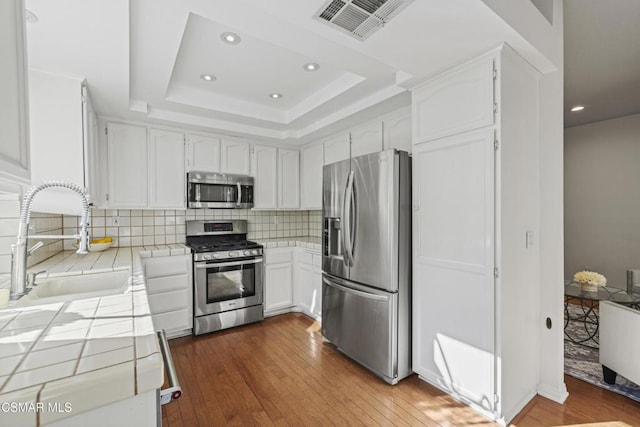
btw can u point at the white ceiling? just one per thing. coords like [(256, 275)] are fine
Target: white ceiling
[(602, 59), (143, 59)]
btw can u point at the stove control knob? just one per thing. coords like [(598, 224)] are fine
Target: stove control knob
[(254, 252), (247, 253), (218, 255), (233, 254), (206, 256)]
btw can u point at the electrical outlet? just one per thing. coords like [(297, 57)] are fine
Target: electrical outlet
[(275, 220)]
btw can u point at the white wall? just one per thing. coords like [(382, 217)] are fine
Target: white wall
[(602, 198), (550, 132)]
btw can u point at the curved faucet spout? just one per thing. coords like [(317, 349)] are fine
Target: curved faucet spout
[(20, 253)]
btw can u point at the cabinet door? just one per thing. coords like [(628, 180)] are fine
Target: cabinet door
[(56, 130), (235, 157), (278, 287), (288, 179), (127, 170), (203, 153), (265, 172), (14, 128), (316, 294), (366, 139), (455, 102), (166, 169), (311, 191), (397, 130), (336, 148), (304, 287), (453, 262)]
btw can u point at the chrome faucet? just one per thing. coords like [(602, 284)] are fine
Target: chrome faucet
[(19, 250)]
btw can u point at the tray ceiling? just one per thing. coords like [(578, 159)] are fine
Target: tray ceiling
[(143, 59)]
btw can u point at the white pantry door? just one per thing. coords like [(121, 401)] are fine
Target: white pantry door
[(453, 287)]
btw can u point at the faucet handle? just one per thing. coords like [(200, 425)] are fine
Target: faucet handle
[(34, 248), (31, 279)]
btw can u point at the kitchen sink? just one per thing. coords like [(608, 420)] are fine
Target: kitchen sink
[(76, 286)]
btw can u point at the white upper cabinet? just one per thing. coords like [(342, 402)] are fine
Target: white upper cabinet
[(127, 166), (63, 133), (236, 156), (265, 172), (456, 102), (203, 153), (288, 179), (166, 169), (311, 176), (397, 130), (14, 114), (336, 148), (366, 139)]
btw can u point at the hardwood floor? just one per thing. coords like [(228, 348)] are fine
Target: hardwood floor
[(279, 372)]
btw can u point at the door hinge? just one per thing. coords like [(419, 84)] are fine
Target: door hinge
[(496, 272), (106, 130), (495, 74), (496, 144), (495, 107), (496, 398)]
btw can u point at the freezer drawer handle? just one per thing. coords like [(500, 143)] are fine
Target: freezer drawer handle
[(354, 291), (174, 392)]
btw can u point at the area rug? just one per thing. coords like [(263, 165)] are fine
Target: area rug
[(583, 363)]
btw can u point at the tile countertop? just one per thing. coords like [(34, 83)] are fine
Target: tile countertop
[(87, 352), (313, 243)]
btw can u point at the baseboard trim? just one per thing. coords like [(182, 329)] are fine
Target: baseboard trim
[(557, 395), (517, 408)]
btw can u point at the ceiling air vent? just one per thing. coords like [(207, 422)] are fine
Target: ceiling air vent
[(360, 18)]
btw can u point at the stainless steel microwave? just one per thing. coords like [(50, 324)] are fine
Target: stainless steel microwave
[(219, 191)]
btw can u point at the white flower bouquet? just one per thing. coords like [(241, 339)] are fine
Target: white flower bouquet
[(589, 280)]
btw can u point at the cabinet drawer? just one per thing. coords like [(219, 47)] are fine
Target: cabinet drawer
[(169, 301), (168, 283), (278, 256), (179, 319), (165, 266), (305, 257), (317, 260)]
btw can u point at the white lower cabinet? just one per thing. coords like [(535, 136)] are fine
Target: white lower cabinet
[(169, 289), (308, 282), (278, 286)]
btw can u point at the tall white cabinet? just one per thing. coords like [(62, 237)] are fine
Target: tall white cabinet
[(475, 212), (14, 114), (166, 169)]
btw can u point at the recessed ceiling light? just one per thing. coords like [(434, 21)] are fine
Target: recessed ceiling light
[(312, 66), (207, 77), (577, 108), (30, 17), (230, 38), (275, 95)]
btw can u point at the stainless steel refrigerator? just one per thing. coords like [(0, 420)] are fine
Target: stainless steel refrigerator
[(366, 261)]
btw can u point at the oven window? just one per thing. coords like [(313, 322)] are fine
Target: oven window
[(228, 283), (216, 193)]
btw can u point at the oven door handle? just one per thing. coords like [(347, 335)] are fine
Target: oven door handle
[(239, 194), (204, 264)]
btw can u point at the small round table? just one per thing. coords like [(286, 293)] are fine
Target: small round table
[(588, 310)]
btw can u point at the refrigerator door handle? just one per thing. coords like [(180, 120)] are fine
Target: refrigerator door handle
[(352, 291), (347, 235)]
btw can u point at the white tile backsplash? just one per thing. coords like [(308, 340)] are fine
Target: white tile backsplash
[(39, 223), (158, 227)]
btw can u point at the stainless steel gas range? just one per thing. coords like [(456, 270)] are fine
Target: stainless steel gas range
[(228, 275)]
